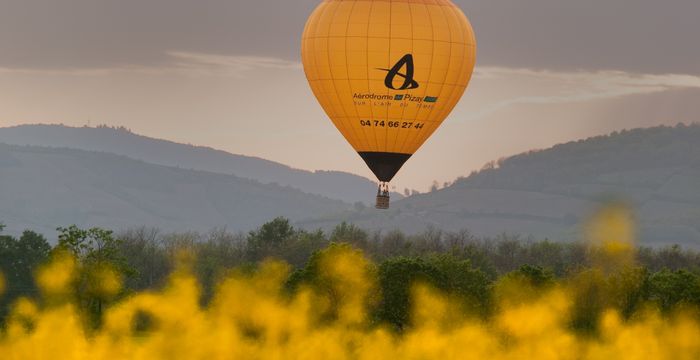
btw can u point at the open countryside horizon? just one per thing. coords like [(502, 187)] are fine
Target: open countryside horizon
[(360, 170), (246, 94), (214, 179)]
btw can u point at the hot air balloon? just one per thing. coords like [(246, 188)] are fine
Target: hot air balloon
[(388, 73)]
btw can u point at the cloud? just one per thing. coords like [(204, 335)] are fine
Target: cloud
[(183, 62), (552, 87), (97, 71), (199, 63), (643, 36)]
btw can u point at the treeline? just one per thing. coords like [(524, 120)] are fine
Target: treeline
[(471, 269)]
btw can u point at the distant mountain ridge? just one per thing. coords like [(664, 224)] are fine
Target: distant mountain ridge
[(333, 184), (545, 194), (43, 188), (549, 193)]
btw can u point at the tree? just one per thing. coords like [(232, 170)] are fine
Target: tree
[(93, 247), (351, 234), (594, 291), (508, 251), (218, 253), (445, 273), (536, 275), (394, 243), (102, 266), (301, 246), (430, 241), (18, 260), (672, 288), (269, 237), (145, 254), (327, 279)]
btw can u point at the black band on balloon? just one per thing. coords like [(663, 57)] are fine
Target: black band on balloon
[(383, 164)]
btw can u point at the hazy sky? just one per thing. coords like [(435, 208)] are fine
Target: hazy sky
[(226, 74)]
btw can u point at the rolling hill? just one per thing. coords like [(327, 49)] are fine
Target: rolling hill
[(43, 188), (546, 193), (333, 184), (549, 193)]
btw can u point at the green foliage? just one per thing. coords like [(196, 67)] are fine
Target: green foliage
[(18, 260), (526, 284), (98, 253), (280, 240), (536, 275), (312, 275), (297, 250), (444, 272), (86, 244), (471, 271), (93, 248), (626, 291), (351, 234), (589, 301), (147, 257), (672, 288), (269, 237)]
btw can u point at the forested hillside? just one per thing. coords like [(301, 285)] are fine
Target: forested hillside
[(543, 194), (333, 184), (43, 188), (549, 193)]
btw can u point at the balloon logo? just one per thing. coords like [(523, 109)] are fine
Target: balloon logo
[(408, 83), (388, 73)]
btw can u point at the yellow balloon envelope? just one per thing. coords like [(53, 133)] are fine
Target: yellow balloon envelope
[(388, 72)]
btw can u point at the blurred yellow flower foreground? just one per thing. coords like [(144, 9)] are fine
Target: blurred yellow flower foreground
[(255, 317)]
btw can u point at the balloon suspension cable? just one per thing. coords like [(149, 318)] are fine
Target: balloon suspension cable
[(383, 198)]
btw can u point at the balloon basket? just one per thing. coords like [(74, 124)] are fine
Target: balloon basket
[(383, 198), (382, 202)]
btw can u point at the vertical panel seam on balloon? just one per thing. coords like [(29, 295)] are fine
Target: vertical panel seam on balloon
[(403, 111), (468, 44), (305, 53), (466, 29), (430, 113), (407, 141), (338, 124), (447, 110), (460, 88), (363, 139), (335, 92), (323, 81), (403, 143), (346, 117), (369, 85), (317, 84), (388, 105), (448, 64), (417, 136)]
